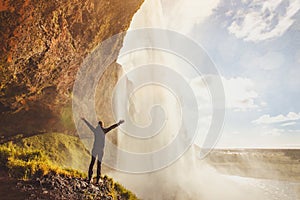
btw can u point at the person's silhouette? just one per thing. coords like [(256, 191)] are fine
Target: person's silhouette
[(98, 147)]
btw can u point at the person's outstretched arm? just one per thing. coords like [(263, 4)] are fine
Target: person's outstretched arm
[(106, 130), (88, 124)]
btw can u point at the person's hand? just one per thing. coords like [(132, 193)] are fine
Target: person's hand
[(121, 122)]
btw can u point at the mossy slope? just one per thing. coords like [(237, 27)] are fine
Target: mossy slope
[(52, 153)]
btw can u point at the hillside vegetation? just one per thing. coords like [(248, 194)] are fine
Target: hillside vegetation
[(55, 156)]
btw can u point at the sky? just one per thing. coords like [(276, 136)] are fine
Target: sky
[(255, 47)]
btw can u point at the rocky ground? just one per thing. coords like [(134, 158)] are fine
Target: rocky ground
[(60, 187)]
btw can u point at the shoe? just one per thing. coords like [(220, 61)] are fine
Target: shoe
[(99, 181), (90, 181)]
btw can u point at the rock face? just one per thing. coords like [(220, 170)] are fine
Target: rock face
[(42, 44)]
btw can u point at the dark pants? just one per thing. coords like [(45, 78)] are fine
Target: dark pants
[(98, 168)]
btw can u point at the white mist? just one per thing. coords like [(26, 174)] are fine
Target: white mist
[(188, 177)]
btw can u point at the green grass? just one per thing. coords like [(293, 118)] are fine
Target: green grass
[(51, 153), (40, 154), (119, 190), (25, 162), (63, 150)]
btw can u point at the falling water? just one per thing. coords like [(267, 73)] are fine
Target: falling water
[(188, 177)]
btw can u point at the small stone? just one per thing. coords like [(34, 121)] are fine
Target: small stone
[(84, 184)]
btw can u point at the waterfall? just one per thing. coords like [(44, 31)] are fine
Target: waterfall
[(188, 177)]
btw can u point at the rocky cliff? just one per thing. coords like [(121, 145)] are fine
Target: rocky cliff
[(42, 44)]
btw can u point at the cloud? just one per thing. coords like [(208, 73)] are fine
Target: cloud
[(288, 124), (240, 95), (272, 132), (279, 132), (179, 15), (239, 92), (184, 14), (261, 20), (261, 138), (267, 119)]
